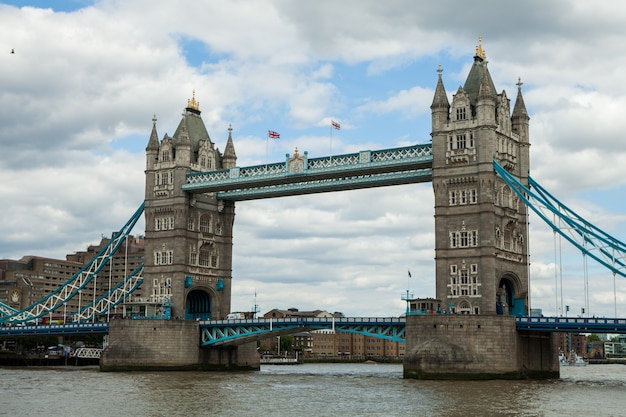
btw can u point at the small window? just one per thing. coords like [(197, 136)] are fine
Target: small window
[(461, 142), (453, 198)]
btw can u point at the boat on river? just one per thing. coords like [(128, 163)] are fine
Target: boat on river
[(572, 360)]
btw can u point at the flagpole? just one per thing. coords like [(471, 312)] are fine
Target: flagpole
[(408, 286), (331, 142), (267, 145)]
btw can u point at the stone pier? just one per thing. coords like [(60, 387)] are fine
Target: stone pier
[(476, 347), (170, 345)]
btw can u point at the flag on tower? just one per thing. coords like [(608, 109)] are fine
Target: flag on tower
[(409, 274), (335, 125), (272, 134)]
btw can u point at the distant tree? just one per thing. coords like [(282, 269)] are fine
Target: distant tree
[(593, 338), (286, 343)]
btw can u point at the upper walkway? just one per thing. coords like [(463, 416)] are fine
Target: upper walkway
[(300, 175)]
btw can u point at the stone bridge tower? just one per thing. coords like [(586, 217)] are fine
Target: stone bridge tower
[(188, 249), (481, 225)]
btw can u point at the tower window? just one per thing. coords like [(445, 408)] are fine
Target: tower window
[(461, 142), (204, 258), (461, 113), (453, 197), (205, 224), (464, 239)]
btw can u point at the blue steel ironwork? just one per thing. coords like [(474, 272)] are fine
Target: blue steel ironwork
[(363, 169), (6, 310), (112, 298), (329, 184), (600, 246), (71, 287), (233, 332), (54, 329), (571, 324)]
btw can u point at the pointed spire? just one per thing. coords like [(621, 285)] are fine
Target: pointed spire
[(486, 87), (478, 75), (183, 137), (519, 110), (230, 158), (440, 100), (520, 118), (153, 143)]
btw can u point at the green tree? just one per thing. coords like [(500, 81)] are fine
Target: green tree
[(593, 338), (286, 343)]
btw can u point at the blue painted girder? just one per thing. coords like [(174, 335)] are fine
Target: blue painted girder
[(234, 332), (54, 329), (364, 169), (605, 249), (571, 324)]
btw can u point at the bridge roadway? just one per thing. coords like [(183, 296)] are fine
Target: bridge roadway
[(300, 175), (235, 332)]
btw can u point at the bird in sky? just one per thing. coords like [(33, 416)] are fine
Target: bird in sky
[(12, 50)]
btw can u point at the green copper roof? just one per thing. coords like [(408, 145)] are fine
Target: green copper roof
[(475, 77), (194, 126)]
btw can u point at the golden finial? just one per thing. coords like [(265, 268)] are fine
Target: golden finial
[(193, 104), (480, 53), (295, 153)]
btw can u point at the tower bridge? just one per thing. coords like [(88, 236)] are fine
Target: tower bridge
[(478, 162)]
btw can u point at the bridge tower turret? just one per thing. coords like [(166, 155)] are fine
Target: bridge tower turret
[(481, 250), (188, 245)]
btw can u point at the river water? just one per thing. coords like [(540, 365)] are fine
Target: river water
[(305, 390)]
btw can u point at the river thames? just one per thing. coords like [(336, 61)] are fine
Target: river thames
[(305, 390)]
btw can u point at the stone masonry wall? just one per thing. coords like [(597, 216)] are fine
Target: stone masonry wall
[(169, 345), (151, 345), (474, 347)]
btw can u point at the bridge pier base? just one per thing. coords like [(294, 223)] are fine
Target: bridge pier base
[(477, 347), (170, 345)]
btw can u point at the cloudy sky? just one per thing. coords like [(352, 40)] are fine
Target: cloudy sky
[(78, 95)]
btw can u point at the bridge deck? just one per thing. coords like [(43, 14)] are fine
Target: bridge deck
[(225, 332)]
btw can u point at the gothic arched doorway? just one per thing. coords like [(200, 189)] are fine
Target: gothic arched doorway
[(506, 302), (198, 305)]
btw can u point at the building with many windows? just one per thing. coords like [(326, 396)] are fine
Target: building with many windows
[(330, 344), (30, 279)]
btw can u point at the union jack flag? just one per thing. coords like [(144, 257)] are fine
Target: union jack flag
[(272, 134)]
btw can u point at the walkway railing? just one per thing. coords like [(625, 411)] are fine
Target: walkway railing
[(572, 324), (54, 329), (301, 175)]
